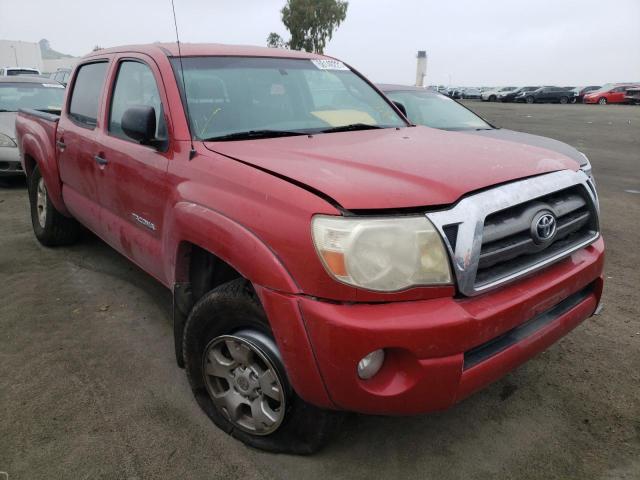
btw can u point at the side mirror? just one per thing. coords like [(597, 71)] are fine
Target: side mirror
[(139, 123), (401, 107)]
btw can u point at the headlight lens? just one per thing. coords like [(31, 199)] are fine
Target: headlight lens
[(586, 168), (6, 141), (381, 254)]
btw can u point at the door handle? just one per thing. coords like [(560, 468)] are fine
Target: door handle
[(61, 145), (100, 160)]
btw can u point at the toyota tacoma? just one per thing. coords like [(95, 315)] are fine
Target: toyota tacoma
[(324, 254)]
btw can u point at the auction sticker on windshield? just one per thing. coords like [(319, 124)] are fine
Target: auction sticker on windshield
[(330, 65)]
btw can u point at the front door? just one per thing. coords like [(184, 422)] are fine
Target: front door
[(134, 184)]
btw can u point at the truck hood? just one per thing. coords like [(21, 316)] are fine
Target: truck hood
[(389, 168), (8, 124)]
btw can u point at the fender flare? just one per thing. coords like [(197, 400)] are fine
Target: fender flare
[(227, 239), (231, 242), (44, 156)]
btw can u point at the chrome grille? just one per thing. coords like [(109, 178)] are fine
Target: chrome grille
[(491, 238), (507, 242)]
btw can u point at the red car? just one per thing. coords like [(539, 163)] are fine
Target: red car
[(608, 94), (323, 253)]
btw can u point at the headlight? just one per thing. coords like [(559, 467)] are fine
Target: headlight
[(586, 168), (6, 141), (382, 254)]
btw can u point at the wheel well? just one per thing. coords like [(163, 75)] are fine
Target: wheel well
[(198, 271), (29, 164), (207, 271)]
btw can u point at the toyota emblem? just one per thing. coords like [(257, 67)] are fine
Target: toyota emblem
[(543, 227)]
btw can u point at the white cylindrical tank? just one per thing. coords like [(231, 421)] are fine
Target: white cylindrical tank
[(421, 69)]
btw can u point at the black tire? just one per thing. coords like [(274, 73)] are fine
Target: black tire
[(53, 229), (231, 309), (564, 100), (492, 98), (602, 101), (530, 100)]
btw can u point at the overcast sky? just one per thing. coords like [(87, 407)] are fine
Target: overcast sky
[(469, 42)]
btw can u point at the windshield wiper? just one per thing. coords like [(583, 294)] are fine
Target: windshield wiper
[(254, 134), (351, 127)]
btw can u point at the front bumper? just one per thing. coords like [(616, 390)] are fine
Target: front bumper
[(10, 162), (437, 351)]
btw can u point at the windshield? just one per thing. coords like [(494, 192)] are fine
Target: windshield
[(229, 96), (604, 88), (437, 111), (507, 89), (39, 96)]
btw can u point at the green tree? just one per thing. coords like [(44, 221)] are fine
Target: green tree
[(311, 24)]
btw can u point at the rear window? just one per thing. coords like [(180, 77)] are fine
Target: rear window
[(21, 71), (86, 93)]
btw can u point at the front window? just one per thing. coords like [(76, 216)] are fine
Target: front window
[(38, 96), (231, 96), (437, 111), (135, 86)]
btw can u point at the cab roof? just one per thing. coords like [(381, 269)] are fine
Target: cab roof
[(205, 49)]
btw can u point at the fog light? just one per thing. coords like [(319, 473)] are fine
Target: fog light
[(370, 364)]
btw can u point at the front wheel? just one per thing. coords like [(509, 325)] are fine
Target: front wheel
[(238, 378), (50, 227), (602, 101), (530, 100)]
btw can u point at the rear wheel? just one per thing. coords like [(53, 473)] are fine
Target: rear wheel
[(51, 228), (492, 98), (602, 101), (564, 100), (238, 378)]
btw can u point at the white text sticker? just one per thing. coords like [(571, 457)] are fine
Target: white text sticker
[(52, 85), (329, 64)]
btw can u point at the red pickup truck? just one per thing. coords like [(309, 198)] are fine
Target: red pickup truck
[(323, 253)]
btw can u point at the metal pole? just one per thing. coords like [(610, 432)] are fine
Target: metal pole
[(15, 54)]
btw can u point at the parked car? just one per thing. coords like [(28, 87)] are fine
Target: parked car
[(546, 95), (471, 93), (22, 92), (632, 95), (492, 95), (323, 253), (510, 96), (437, 111), (580, 92), (614, 93), (454, 92), (62, 75), (13, 71)]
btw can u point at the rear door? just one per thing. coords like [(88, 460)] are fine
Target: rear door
[(135, 192), (617, 95), (76, 143)]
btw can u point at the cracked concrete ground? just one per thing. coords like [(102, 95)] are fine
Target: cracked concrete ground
[(89, 387)]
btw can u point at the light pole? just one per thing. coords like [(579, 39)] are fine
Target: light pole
[(15, 54)]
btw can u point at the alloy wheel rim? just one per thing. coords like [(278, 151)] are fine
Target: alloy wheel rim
[(41, 202), (244, 384)]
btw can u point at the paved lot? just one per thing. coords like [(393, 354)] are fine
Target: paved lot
[(89, 387)]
